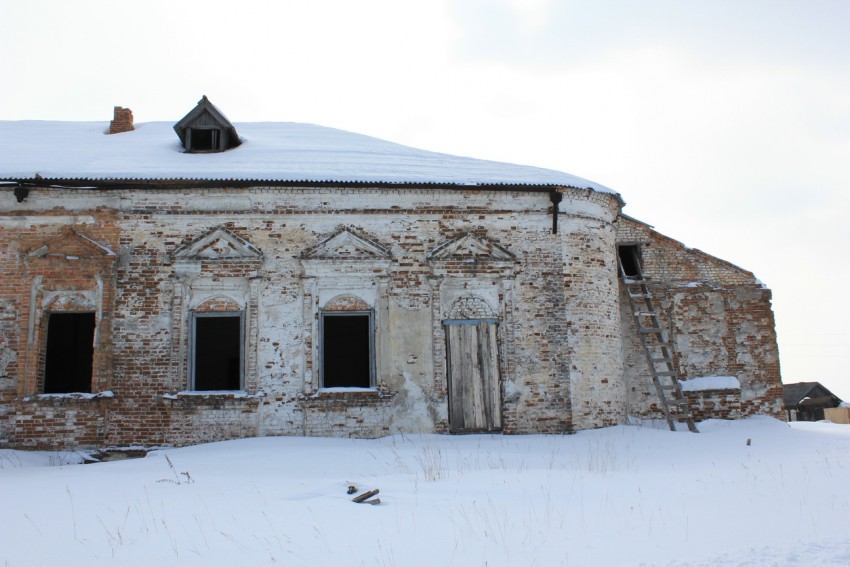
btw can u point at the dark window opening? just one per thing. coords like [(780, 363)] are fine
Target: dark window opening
[(218, 352), (630, 260), (203, 140), (69, 352), (346, 350)]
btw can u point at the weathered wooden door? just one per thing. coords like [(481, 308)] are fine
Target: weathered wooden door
[(475, 399)]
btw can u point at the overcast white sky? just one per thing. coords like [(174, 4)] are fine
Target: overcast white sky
[(723, 123)]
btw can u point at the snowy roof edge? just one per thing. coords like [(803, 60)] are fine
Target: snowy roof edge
[(281, 152)]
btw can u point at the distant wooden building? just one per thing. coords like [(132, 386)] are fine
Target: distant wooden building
[(805, 401)]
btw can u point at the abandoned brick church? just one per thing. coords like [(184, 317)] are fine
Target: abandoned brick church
[(167, 284)]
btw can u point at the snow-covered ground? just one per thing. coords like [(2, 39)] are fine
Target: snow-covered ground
[(754, 492)]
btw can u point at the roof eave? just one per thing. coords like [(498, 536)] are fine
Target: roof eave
[(79, 182)]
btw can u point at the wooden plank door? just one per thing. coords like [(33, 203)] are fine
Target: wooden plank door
[(475, 399)]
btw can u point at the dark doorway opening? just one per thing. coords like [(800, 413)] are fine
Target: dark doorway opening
[(203, 140), (218, 352), (346, 350), (630, 260), (69, 352)]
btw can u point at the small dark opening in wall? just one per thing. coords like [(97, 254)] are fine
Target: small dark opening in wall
[(218, 352), (203, 140), (68, 356), (346, 351), (630, 259)]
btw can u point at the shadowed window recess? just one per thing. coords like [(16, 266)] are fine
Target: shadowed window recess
[(69, 352), (630, 260), (347, 349), (217, 351), (203, 139)]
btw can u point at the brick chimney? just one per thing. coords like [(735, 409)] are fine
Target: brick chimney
[(122, 122)]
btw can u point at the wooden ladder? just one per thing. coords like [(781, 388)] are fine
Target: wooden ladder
[(658, 350)]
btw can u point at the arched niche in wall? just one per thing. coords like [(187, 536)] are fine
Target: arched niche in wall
[(471, 312), (346, 343), (215, 312), (69, 329), (345, 281)]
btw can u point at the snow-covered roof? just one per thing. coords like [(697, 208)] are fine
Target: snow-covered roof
[(273, 152)]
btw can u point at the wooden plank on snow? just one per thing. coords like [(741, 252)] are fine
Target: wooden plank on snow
[(365, 496)]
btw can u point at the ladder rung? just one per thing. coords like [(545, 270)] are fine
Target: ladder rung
[(651, 330), (643, 295), (668, 387), (645, 313), (666, 373)]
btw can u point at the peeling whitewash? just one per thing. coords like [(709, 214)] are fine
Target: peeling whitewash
[(567, 358), (720, 321)]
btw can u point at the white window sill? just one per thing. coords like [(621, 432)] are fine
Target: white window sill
[(346, 390), (351, 394), (215, 394), (71, 397)]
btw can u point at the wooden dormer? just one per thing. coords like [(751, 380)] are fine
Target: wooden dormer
[(205, 129)]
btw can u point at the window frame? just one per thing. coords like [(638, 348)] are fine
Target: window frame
[(215, 136), (46, 350), (636, 251), (193, 350), (370, 313)]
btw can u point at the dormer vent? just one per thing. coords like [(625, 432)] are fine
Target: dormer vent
[(206, 129)]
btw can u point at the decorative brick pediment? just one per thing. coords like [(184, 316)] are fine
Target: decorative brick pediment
[(471, 307), (470, 248), (346, 245), (72, 245), (218, 244), (346, 302)]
